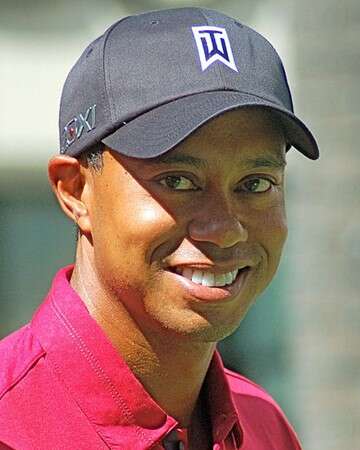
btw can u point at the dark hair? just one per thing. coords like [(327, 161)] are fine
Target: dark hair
[(93, 157)]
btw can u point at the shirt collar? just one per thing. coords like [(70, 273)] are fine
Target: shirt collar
[(102, 384)]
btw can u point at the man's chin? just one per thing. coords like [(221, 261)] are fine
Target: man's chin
[(214, 334), (205, 331)]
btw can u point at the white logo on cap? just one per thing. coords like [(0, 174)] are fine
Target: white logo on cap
[(75, 127), (213, 45)]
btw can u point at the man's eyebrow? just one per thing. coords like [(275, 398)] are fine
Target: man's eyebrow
[(168, 158), (276, 162)]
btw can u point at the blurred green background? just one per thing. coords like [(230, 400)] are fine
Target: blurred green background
[(301, 340)]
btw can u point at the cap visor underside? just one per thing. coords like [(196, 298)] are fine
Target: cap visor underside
[(160, 129)]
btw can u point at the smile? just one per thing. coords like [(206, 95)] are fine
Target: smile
[(207, 286), (208, 278)]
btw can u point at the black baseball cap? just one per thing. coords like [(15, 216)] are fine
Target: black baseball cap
[(153, 78)]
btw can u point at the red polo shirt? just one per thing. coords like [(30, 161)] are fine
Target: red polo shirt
[(63, 386)]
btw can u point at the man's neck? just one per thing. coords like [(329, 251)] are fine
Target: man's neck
[(170, 367)]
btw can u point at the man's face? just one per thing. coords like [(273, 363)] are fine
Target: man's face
[(212, 204)]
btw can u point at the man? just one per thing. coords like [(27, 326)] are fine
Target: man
[(174, 128)]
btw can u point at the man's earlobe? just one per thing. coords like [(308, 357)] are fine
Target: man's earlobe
[(67, 182)]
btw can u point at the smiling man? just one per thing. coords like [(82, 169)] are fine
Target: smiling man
[(174, 128)]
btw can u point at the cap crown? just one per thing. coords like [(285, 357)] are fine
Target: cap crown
[(146, 60)]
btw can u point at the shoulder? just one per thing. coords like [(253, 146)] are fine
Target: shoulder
[(243, 386), (257, 408), (19, 352)]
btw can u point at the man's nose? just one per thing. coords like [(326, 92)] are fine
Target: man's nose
[(222, 228)]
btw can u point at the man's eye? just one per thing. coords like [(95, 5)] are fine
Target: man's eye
[(258, 185), (178, 182)]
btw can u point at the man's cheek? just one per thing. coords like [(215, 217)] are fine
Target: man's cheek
[(149, 226), (273, 226)]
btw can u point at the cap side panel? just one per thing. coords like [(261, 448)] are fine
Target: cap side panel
[(268, 71), (83, 101), (107, 78)]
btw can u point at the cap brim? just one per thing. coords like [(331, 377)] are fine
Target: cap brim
[(160, 129)]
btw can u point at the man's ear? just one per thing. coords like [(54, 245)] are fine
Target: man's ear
[(69, 183)]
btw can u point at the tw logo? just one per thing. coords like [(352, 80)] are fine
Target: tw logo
[(75, 127), (213, 45)]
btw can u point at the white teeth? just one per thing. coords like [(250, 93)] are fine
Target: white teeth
[(228, 277), (207, 278), (197, 276), (220, 279)]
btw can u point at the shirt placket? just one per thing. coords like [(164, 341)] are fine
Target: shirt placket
[(177, 440)]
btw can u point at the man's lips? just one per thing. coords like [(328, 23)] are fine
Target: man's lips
[(216, 293)]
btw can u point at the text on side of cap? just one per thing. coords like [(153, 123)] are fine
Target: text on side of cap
[(75, 127), (213, 45)]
